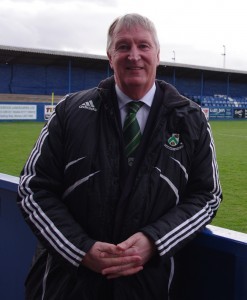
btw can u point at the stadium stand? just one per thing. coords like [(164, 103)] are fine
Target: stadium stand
[(33, 75), (224, 101), (41, 72)]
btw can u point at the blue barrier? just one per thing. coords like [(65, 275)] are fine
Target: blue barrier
[(17, 242), (212, 267)]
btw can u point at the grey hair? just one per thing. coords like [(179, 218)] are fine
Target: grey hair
[(128, 21)]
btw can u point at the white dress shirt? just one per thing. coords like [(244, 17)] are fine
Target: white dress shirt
[(143, 112)]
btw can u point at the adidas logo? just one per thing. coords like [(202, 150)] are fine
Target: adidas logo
[(88, 105)]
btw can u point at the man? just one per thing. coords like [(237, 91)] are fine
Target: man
[(111, 214)]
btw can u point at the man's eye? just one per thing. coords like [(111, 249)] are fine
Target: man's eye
[(122, 47), (144, 46)]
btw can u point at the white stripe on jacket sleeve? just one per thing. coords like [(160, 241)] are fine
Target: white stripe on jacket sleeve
[(201, 218), (35, 213)]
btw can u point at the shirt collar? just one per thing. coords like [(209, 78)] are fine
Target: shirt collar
[(124, 99)]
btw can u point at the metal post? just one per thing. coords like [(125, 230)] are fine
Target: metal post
[(202, 86), (224, 56), (174, 56), (174, 76), (69, 76), (228, 85)]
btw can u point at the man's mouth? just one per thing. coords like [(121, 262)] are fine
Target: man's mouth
[(134, 68)]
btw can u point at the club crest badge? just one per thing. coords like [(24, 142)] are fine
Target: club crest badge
[(174, 142)]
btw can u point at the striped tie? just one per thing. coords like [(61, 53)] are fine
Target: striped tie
[(131, 130)]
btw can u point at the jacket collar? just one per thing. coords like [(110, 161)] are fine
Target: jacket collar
[(171, 97)]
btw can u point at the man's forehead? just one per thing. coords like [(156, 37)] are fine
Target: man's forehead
[(129, 28), (132, 33)]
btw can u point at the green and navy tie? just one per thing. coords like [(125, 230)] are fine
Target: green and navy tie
[(131, 130)]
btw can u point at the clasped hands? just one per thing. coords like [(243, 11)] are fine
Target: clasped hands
[(124, 259)]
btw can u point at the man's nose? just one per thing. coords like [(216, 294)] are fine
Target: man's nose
[(134, 54)]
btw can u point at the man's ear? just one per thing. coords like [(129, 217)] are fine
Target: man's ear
[(110, 59), (158, 58)]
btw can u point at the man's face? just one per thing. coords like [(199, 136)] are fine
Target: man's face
[(134, 58)]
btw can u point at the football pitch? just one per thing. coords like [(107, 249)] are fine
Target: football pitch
[(18, 138)]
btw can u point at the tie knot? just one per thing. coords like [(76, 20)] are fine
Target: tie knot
[(134, 106)]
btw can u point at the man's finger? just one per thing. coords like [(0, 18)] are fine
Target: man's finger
[(126, 270)]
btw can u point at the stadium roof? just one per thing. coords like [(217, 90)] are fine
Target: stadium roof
[(20, 55)]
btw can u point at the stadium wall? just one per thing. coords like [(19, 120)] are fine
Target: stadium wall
[(213, 266), (41, 111), (66, 78), (44, 80)]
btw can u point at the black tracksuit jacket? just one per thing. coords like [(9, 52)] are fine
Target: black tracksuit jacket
[(76, 188)]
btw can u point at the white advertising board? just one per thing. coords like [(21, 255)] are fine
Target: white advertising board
[(18, 112)]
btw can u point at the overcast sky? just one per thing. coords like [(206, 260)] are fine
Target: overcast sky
[(191, 32)]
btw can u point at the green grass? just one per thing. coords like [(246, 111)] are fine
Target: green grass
[(16, 142), (231, 147), (18, 138)]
